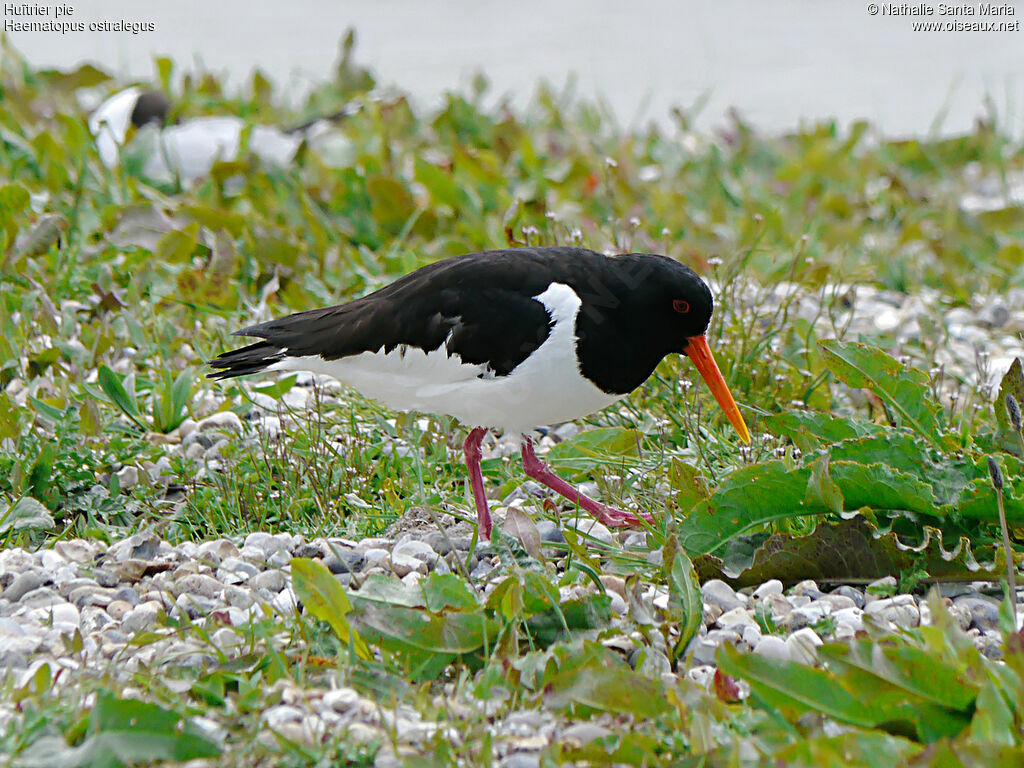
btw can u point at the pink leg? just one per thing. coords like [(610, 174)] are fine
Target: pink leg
[(476, 480), (542, 473)]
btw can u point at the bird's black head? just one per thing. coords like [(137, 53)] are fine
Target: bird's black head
[(151, 107), (651, 306)]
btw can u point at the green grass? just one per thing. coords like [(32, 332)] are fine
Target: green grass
[(113, 292)]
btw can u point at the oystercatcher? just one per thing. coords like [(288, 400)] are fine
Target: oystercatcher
[(188, 150), (510, 339)]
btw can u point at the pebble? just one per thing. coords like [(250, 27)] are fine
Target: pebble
[(720, 594), (416, 549), (803, 644), (344, 561), (140, 618), (984, 611), (595, 530), (901, 610), (23, 584), (770, 587), (773, 647)]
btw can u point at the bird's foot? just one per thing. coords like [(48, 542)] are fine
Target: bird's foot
[(617, 518), (542, 473)]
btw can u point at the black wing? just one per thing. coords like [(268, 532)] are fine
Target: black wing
[(480, 306)]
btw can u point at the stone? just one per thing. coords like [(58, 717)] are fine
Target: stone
[(717, 592), (413, 548), (222, 420), (851, 592), (549, 532), (803, 645), (737, 617), (127, 478), (901, 610), (139, 546), (377, 558), (23, 584), (770, 587), (118, 609), (273, 581), (773, 647), (595, 530), (344, 561), (140, 618), (198, 584), (984, 611), (77, 550)]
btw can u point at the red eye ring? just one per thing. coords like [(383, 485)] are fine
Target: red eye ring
[(681, 306)]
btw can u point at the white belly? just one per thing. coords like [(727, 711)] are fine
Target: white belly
[(545, 388)]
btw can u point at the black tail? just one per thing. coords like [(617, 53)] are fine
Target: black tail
[(239, 362)]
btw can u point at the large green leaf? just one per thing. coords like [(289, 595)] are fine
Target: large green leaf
[(787, 684), (810, 430), (746, 499), (904, 390)]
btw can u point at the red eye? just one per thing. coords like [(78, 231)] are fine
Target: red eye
[(681, 306)]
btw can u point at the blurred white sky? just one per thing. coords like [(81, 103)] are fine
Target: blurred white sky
[(778, 61)]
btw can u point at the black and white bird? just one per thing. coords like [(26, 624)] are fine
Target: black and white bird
[(187, 150), (509, 339)]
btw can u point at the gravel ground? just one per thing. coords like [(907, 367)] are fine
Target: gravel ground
[(112, 594)]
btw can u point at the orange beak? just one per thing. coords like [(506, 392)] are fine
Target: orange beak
[(697, 349)]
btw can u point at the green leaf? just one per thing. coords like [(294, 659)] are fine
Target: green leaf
[(382, 588), (913, 670), (10, 418), (592, 447), (810, 430), (904, 390), (279, 388), (40, 475), (879, 486), (853, 748), (446, 590), (178, 245), (846, 550), (590, 612), (781, 683), (748, 497), (124, 732), (822, 490), (685, 604), (14, 200), (399, 628), (111, 385), (1012, 384), (603, 682), (325, 599)]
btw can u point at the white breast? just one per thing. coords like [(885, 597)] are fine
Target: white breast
[(547, 387)]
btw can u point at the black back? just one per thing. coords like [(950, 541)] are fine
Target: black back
[(481, 307)]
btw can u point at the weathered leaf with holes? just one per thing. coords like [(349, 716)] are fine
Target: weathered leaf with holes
[(847, 550)]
